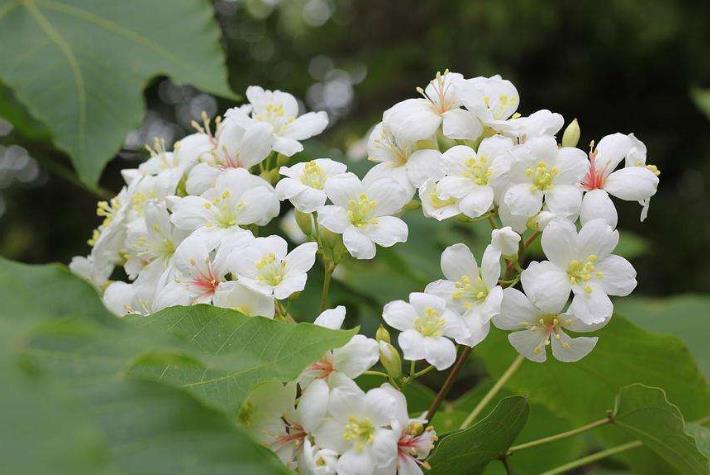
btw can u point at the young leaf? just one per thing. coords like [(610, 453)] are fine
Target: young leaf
[(645, 413), (80, 66), (468, 451)]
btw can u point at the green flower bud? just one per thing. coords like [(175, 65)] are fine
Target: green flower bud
[(305, 222), (572, 133), (390, 359), (382, 335)]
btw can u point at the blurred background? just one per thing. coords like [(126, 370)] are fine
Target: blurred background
[(619, 65)]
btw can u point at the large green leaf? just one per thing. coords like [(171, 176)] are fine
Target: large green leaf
[(468, 451), (223, 355), (624, 355), (685, 316), (645, 413), (80, 66), (55, 323)]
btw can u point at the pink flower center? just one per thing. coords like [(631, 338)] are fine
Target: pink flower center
[(594, 179), (323, 368)]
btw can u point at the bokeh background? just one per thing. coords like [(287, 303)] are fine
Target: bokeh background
[(618, 65)]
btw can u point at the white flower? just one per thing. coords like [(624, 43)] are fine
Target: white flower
[(235, 147), (199, 268), (185, 154), (361, 213), (582, 263), (426, 325), (537, 320), (400, 159), (151, 239), (634, 182), (266, 266), (137, 297), (357, 427), (269, 413), (538, 170), (537, 124), (471, 176), (317, 461), (280, 111), (433, 206), (415, 442), (506, 241), (469, 290), (238, 198), (492, 99), (304, 183), (337, 367), (241, 298), (419, 119)]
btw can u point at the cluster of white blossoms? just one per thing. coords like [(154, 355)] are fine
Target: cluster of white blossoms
[(187, 229)]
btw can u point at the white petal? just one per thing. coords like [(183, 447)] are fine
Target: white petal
[(399, 314), (302, 258), (412, 120), (291, 284), (356, 356), (522, 200), (332, 318), (455, 186), (569, 349), (572, 164), (389, 195), (307, 125), (387, 231), (190, 212), (611, 149), (342, 188), (477, 202), (287, 146), (596, 204), (313, 405), (461, 124), (490, 266), (423, 165), (592, 307), (564, 200), (516, 310), (201, 178), (547, 286), (334, 218), (356, 462), (559, 242), (457, 261), (412, 344), (632, 184), (597, 238), (358, 245), (619, 276), (530, 344), (440, 352)]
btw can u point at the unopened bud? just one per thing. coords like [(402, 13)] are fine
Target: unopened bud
[(506, 241), (382, 334), (305, 222), (570, 138), (390, 359), (333, 244)]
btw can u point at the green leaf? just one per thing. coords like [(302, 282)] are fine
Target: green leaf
[(684, 316), (625, 354), (701, 434), (230, 354), (468, 451), (80, 66), (645, 413)]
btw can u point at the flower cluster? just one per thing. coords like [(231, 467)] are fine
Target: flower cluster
[(468, 153), (185, 230)]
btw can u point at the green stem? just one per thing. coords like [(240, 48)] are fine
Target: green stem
[(580, 462), (561, 435), (493, 391), (412, 368), (439, 398), (377, 373), (328, 273), (423, 372)]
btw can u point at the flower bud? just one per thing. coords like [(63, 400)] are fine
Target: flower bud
[(541, 220), (333, 245), (506, 241), (305, 222), (412, 205), (382, 335), (390, 359), (570, 138), (282, 159)]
